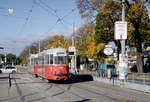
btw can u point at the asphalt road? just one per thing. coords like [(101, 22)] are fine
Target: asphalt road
[(27, 88)]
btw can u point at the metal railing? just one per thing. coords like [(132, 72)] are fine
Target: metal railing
[(139, 78)]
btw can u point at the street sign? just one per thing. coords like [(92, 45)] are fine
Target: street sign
[(120, 30), (108, 50), (72, 49)]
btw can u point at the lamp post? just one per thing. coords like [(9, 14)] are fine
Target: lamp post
[(0, 58)]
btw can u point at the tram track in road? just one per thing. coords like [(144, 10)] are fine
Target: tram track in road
[(66, 88), (56, 90), (100, 91), (19, 91), (84, 87)]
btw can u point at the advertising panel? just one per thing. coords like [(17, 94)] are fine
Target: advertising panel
[(123, 70)]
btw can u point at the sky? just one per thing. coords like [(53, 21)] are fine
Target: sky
[(34, 20)]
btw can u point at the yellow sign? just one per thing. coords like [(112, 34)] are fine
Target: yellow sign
[(10, 10)]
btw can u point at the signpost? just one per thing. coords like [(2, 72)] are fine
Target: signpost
[(72, 52), (121, 34)]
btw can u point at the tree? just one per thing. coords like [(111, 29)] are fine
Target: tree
[(110, 11), (139, 30), (59, 41), (89, 8), (81, 41)]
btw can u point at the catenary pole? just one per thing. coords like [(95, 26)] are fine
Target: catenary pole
[(123, 19)]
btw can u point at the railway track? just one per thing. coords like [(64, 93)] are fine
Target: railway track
[(27, 88)]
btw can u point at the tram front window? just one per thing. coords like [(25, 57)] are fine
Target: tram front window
[(60, 59)]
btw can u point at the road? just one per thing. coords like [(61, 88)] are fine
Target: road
[(27, 88)]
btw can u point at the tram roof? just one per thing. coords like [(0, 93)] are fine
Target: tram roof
[(55, 50), (33, 56)]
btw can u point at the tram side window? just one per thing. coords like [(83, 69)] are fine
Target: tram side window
[(46, 61), (41, 61), (60, 59), (51, 59)]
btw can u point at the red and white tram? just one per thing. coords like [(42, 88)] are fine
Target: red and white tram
[(50, 64)]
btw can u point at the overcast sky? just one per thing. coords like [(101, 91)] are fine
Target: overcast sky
[(34, 20)]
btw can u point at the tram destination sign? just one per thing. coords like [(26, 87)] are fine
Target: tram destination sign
[(120, 30)]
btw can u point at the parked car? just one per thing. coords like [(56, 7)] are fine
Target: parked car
[(105, 68), (8, 69)]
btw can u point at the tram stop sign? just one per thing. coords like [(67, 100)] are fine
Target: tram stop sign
[(72, 51), (120, 30)]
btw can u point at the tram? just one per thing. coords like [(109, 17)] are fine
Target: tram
[(51, 64)]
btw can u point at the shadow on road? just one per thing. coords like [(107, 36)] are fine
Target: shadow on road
[(75, 79)]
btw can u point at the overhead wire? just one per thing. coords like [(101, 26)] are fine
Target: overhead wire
[(45, 9), (27, 19), (54, 10)]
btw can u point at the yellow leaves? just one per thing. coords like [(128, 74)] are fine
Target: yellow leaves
[(100, 47), (66, 44), (93, 50), (59, 41), (136, 11)]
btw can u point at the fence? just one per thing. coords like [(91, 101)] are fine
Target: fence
[(137, 81)]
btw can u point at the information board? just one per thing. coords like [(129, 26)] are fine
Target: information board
[(120, 30)]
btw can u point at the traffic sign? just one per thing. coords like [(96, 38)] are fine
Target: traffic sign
[(108, 51), (72, 49), (120, 30)]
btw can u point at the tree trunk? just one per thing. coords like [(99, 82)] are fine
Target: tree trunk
[(139, 62)]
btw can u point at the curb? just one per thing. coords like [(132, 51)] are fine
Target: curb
[(135, 86)]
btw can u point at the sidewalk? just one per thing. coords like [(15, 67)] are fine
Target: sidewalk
[(130, 85)]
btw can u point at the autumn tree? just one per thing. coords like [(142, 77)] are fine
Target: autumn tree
[(59, 41), (110, 11), (139, 28)]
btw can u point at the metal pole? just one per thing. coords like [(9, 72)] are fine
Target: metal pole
[(74, 57), (122, 41), (123, 19), (39, 46)]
